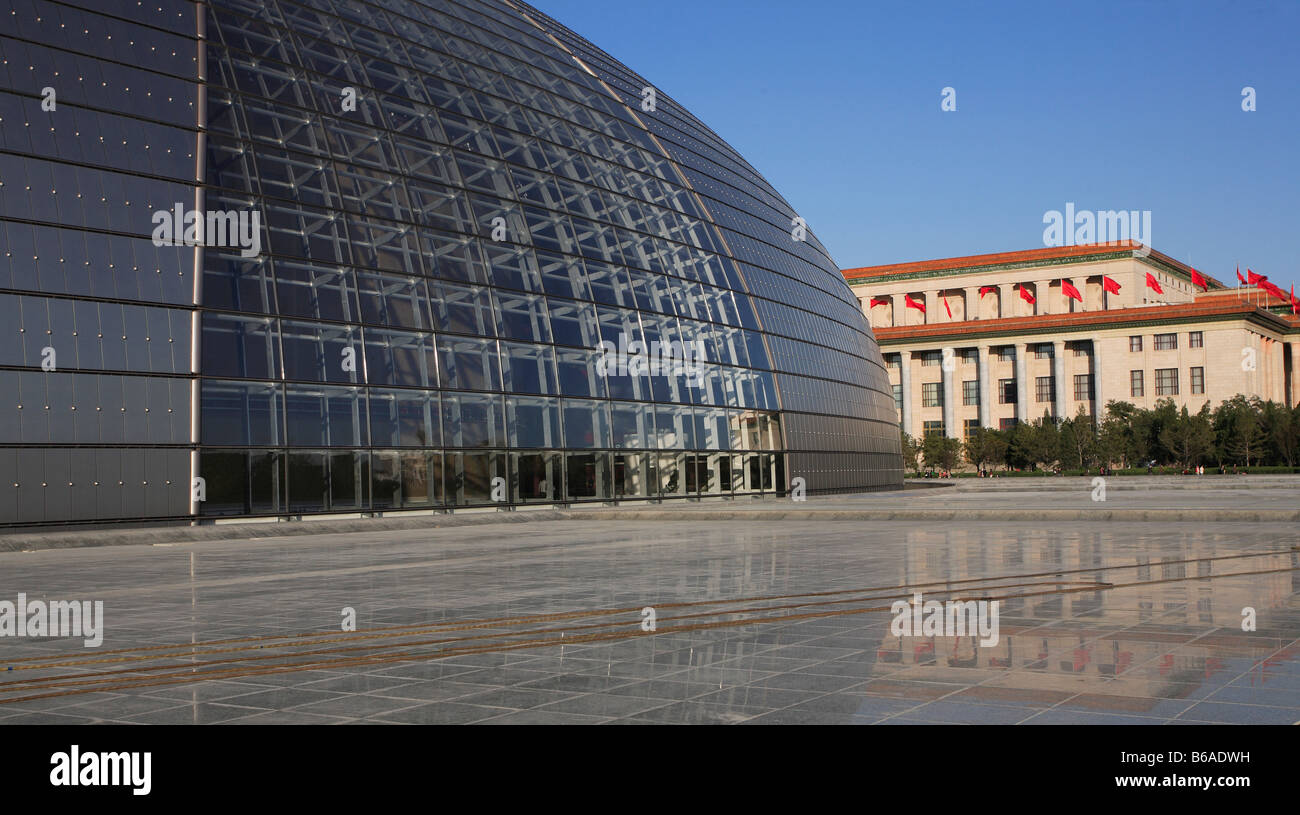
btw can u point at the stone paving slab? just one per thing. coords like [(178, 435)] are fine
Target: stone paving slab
[(1103, 622), (1150, 499)]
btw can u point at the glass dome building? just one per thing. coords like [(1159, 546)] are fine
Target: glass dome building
[(271, 258)]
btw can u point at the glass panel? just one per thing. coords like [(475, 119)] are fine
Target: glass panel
[(632, 475), (588, 476), (539, 477), (470, 475)]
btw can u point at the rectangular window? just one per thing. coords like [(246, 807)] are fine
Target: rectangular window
[(1135, 343), (1043, 387), (1198, 380), (1135, 385), (931, 394), (1007, 353), (1195, 339), (1083, 387), (970, 392), (970, 427), (1006, 391), (1043, 351), (898, 396), (932, 429), (1080, 349), (893, 361), (971, 355), (1166, 381), (1007, 424), (1166, 342), (931, 358)]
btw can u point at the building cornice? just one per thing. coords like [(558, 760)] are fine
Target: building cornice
[(1024, 259), (1150, 316)]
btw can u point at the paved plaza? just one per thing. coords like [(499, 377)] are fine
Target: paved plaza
[(764, 611)]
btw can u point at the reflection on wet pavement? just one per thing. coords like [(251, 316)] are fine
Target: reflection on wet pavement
[(757, 622)]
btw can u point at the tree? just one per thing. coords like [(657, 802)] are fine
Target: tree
[(1078, 441), (1044, 441), (986, 446), (1164, 414), (1141, 446), (1238, 430), (1189, 437), (911, 453), (1019, 454), (941, 452), (1115, 437), (1280, 430)]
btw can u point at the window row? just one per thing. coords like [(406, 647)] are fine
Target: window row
[(259, 348), (1168, 342), (1167, 381), (1044, 391), (394, 301), (263, 482), (239, 414)]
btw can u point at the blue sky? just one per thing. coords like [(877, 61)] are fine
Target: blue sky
[(1109, 105)]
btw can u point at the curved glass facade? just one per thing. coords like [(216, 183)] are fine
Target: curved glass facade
[(447, 248)]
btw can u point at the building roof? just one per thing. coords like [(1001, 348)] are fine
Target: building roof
[(1080, 253), (1203, 309)]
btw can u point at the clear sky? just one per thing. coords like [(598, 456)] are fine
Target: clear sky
[(1110, 105)]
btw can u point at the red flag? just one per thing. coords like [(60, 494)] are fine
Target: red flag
[(1197, 280), (1153, 284), (1025, 295), (1109, 285), (946, 307), (1239, 277), (1068, 289), (907, 298), (879, 301), (1253, 278), (1294, 304), (1272, 289), (986, 289)]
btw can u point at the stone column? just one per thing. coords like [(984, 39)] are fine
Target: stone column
[(1278, 351), (1006, 300), (931, 306), (972, 303), (1294, 382), (1042, 290), (948, 364), (1265, 362), (1022, 382), (1058, 374), (1098, 399), (986, 409), (896, 306), (905, 380)]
